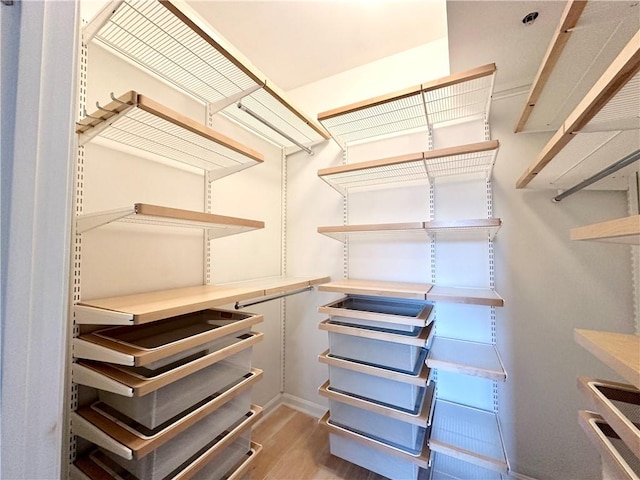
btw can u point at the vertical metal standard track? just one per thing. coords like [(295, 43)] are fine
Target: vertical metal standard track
[(633, 208), (208, 206), (345, 221), (283, 270), (432, 259)]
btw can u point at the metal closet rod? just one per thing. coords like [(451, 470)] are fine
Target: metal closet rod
[(623, 162), (239, 305), (274, 128)]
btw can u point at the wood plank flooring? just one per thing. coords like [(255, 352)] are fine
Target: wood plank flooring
[(297, 448)]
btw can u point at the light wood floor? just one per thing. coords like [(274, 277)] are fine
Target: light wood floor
[(295, 447)]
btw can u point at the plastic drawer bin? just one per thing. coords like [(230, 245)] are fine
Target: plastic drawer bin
[(386, 391), (402, 352), (221, 464), (395, 433), (380, 312), (163, 404), (372, 459), (180, 449)]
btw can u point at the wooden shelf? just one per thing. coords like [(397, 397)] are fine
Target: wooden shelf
[(458, 97), (422, 340), (473, 296), (474, 228), (612, 449), (90, 423), (444, 467), (149, 307), (468, 434), (216, 225), (141, 123), (620, 230), (421, 460), (172, 43), (610, 105), (465, 159), (619, 405), (421, 419), (621, 352), (468, 358)]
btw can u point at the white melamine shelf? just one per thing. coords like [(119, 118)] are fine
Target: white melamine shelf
[(619, 405), (149, 307), (614, 452), (620, 230), (468, 434), (621, 352), (175, 45), (468, 358), (472, 228), (458, 97), (465, 159), (216, 225), (141, 123)]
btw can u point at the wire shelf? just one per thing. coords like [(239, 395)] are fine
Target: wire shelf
[(622, 112), (444, 467), (469, 434), (468, 358), (143, 124), (162, 39), (459, 97), (217, 225), (477, 158)]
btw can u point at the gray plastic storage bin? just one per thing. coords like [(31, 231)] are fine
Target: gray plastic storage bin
[(181, 448), (405, 396), (382, 353), (380, 312), (372, 459), (163, 404), (395, 433), (221, 465)]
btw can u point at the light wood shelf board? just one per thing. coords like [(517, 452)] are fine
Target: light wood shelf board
[(568, 21), (184, 51), (467, 358), (474, 296), (378, 288), (619, 351), (620, 230), (613, 451), (421, 460), (444, 467), (241, 471), (468, 434), (421, 340), (217, 225), (625, 66), (619, 405), (141, 445), (152, 306)]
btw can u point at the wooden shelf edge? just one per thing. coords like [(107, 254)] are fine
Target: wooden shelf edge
[(622, 230), (619, 351), (491, 355), (465, 295), (243, 468), (421, 340), (378, 288)]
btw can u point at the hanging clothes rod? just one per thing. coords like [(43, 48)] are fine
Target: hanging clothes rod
[(623, 162), (274, 128), (239, 305)]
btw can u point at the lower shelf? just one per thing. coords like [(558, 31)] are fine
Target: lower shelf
[(614, 452), (468, 434), (468, 358), (450, 468)]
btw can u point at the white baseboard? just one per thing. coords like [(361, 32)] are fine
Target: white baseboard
[(305, 406)]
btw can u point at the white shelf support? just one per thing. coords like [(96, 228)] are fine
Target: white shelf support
[(98, 316), (86, 376), (89, 431)]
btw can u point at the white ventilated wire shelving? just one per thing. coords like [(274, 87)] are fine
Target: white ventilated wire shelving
[(444, 467), (161, 38), (468, 434), (477, 158), (143, 124), (459, 97), (468, 358)]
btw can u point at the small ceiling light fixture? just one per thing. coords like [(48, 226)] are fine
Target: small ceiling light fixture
[(529, 18)]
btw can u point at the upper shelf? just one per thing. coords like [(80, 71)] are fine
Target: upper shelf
[(139, 122), (475, 228), (217, 225), (184, 51), (468, 358), (605, 121), (472, 158), (459, 97), (148, 307), (620, 230), (619, 351)]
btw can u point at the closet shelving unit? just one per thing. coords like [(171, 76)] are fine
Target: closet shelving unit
[(121, 345), (175, 45), (469, 440)]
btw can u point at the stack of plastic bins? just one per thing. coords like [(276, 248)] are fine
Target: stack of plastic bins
[(380, 396), (190, 413)]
